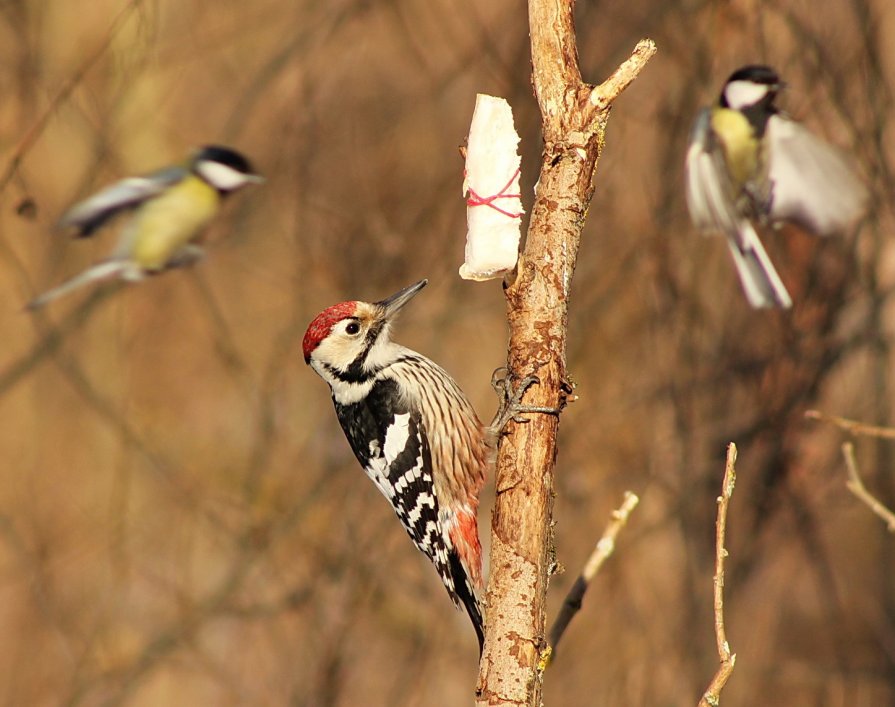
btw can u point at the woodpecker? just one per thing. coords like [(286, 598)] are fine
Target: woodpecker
[(413, 431)]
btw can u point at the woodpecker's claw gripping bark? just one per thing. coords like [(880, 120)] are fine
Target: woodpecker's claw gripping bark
[(511, 406)]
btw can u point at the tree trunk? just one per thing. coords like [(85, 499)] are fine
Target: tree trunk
[(574, 118)]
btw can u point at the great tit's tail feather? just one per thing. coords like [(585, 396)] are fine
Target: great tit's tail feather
[(761, 283), (101, 271)]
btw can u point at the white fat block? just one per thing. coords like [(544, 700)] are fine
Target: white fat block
[(491, 185)]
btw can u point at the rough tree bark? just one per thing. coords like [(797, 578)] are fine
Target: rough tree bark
[(574, 116)]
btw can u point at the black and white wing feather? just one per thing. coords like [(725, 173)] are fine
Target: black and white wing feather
[(812, 183), (390, 443), (88, 215), (712, 201)]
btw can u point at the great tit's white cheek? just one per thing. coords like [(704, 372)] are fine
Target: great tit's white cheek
[(221, 176), (742, 94)]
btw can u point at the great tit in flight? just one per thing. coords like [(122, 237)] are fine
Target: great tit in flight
[(748, 162), (169, 207)]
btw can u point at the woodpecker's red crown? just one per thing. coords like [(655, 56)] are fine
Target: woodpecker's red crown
[(350, 344), (323, 325)]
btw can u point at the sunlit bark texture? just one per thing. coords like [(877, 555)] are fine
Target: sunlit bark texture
[(574, 116)]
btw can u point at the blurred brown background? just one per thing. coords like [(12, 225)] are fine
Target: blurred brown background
[(181, 520)]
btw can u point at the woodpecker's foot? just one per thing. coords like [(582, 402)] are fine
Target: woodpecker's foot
[(511, 406)]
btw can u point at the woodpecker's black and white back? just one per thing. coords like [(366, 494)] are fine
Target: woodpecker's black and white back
[(413, 431), (749, 162)]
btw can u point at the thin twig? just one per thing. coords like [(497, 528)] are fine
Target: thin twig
[(712, 696), (603, 550), (52, 339), (854, 483), (27, 141), (856, 486), (853, 426)]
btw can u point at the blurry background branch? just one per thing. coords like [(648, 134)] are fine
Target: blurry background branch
[(854, 483), (161, 444), (27, 141), (856, 486), (855, 427), (52, 339)]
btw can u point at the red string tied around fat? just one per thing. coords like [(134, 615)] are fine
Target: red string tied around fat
[(475, 200)]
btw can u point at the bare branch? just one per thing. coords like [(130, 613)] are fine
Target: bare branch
[(856, 486), (603, 95), (712, 696), (52, 339), (27, 141), (852, 426), (603, 550), (854, 483)]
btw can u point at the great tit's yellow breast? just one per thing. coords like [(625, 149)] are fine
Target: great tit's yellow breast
[(171, 220), (740, 144)]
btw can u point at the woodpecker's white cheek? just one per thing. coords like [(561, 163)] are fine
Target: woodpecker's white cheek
[(221, 176), (742, 94), (339, 351)]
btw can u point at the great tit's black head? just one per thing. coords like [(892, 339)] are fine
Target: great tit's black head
[(750, 86), (225, 169)]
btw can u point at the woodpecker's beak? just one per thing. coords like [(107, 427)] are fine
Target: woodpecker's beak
[(392, 305)]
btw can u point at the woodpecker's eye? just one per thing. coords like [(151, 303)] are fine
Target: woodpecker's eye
[(352, 328)]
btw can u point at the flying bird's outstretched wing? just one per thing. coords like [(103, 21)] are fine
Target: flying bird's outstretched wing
[(88, 215), (812, 183)]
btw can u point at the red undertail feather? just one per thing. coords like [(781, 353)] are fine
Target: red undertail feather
[(465, 539)]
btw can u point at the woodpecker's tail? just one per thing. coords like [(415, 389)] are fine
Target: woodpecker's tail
[(464, 592), (464, 560), (101, 271), (761, 283)]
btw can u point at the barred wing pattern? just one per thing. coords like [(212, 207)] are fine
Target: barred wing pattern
[(390, 436)]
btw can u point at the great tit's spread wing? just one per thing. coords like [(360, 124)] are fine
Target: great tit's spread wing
[(710, 193), (812, 184), (88, 215)]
